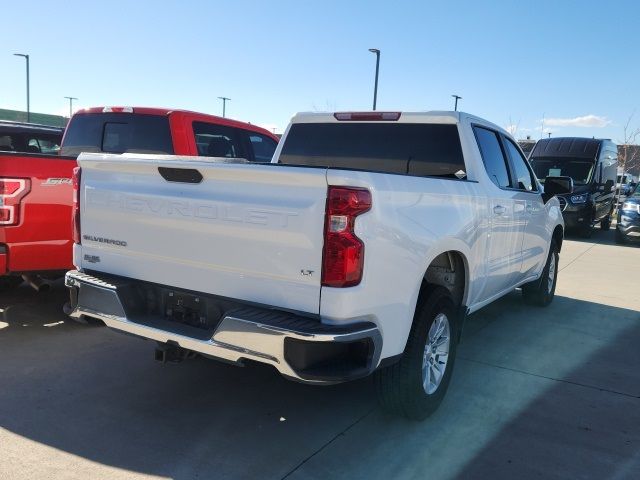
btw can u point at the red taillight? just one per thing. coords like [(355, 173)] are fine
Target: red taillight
[(343, 254), (366, 116), (12, 190), (75, 215)]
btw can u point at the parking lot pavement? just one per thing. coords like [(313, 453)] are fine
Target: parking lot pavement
[(536, 393)]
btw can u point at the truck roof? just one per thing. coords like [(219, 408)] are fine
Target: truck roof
[(24, 127), (576, 147), (175, 111), (433, 116)]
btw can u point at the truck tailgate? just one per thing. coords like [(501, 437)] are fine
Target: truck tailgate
[(245, 231)]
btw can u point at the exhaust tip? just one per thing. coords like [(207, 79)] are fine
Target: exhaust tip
[(37, 283)]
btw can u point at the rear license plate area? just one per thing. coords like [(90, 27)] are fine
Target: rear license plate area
[(186, 309)]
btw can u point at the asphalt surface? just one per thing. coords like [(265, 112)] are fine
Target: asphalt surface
[(536, 393)]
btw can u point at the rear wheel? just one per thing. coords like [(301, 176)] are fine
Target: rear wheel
[(587, 230), (9, 282), (415, 386), (605, 223), (620, 238), (541, 292)]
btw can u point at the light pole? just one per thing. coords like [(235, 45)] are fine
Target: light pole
[(71, 99), (26, 57), (224, 105), (375, 88), (457, 97), (549, 134)]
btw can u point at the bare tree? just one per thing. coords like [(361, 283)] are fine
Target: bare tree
[(513, 127), (628, 151)]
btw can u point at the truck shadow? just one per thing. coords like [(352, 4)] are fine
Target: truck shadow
[(532, 393), (23, 308)]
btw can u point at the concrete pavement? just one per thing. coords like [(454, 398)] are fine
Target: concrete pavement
[(536, 393)]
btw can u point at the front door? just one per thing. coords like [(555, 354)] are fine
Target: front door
[(530, 213)]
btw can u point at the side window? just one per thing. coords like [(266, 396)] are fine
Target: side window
[(216, 141), (524, 177), (48, 146), (33, 146), (492, 156), (263, 147), (7, 143)]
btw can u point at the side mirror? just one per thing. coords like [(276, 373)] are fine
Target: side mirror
[(556, 186)]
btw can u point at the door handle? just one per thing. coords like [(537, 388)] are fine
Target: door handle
[(499, 210)]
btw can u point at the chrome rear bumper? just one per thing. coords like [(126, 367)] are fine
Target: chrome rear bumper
[(299, 347)]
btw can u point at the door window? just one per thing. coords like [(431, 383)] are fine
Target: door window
[(217, 141), (492, 156), (263, 147), (523, 176)]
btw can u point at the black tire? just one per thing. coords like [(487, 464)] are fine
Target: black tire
[(620, 238), (9, 282), (399, 387), (586, 231), (538, 291), (605, 223)]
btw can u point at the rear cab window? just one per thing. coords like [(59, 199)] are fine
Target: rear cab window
[(424, 150), (118, 133)]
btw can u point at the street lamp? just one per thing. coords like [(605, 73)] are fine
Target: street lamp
[(457, 97), (71, 99), (224, 105), (375, 88), (549, 134), (26, 57)]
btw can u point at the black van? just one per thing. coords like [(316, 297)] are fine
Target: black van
[(592, 164)]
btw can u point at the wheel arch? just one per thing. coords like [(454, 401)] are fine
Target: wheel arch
[(448, 269), (558, 236)]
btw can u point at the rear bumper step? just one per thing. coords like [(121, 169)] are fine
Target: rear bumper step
[(299, 347)]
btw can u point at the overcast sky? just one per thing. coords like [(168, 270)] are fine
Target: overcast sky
[(575, 64)]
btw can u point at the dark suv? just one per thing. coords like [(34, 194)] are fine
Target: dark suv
[(628, 227), (592, 164)]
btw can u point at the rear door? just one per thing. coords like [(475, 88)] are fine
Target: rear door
[(504, 248), (243, 231)]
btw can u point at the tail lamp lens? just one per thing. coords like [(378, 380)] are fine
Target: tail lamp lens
[(75, 210), (343, 254), (12, 191)]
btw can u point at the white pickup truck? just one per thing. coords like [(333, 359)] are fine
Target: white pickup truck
[(360, 249)]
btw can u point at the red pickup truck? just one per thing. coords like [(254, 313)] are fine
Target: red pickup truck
[(36, 189)]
